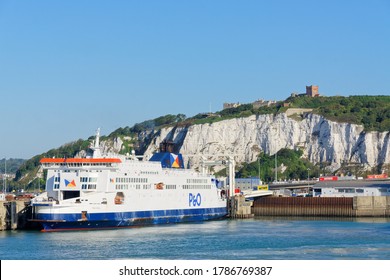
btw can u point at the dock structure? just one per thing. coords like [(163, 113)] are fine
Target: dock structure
[(369, 206), (264, 204), (13, 215), (239, 208)]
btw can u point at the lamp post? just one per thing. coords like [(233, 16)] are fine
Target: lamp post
[(259, 170), (276, 166), (308, 178)]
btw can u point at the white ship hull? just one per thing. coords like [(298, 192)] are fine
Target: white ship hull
[(143, 206)]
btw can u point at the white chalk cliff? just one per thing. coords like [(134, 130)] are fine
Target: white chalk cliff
[(320, 139)]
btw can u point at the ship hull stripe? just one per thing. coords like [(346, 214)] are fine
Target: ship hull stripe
[(62, 222)]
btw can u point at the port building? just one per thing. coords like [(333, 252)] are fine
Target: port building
[(352, 188)]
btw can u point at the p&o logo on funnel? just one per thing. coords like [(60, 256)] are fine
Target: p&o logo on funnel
[(70, 184)]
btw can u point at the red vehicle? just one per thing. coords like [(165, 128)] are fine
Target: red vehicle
[(329, 178), (377, 176)]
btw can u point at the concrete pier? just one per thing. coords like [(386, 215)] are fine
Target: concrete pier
[(14, 215), (239, 208), (372, 206)]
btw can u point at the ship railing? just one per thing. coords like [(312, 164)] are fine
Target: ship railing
[(188, 171), (45, 200)]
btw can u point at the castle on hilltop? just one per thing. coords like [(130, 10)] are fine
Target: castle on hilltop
[(311, 91)]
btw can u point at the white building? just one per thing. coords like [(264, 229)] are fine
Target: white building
[(352, 188), (247, 183)]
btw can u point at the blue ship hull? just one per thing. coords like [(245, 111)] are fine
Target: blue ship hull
[(93, 221)]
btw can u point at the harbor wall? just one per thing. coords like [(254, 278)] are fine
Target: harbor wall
[(14, 215), (369, 206), (372, 206), (239, 208)]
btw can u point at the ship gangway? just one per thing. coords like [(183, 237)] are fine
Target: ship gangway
[(252, 194)]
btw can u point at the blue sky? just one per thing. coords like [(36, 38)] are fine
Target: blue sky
[(68, 67)]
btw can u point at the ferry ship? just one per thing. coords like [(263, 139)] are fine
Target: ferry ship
[(101, 192)]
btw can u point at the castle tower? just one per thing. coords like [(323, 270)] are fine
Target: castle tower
[(312, 91)]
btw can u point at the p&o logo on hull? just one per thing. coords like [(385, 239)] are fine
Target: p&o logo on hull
[(194, 200)]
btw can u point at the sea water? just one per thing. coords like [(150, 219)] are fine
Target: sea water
[(250, 239)]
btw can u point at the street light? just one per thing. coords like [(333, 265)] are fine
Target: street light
[(308, 179), (259, 171), (276, 166), (276, 152)]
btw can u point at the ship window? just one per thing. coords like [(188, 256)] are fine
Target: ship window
[(350, 190)]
